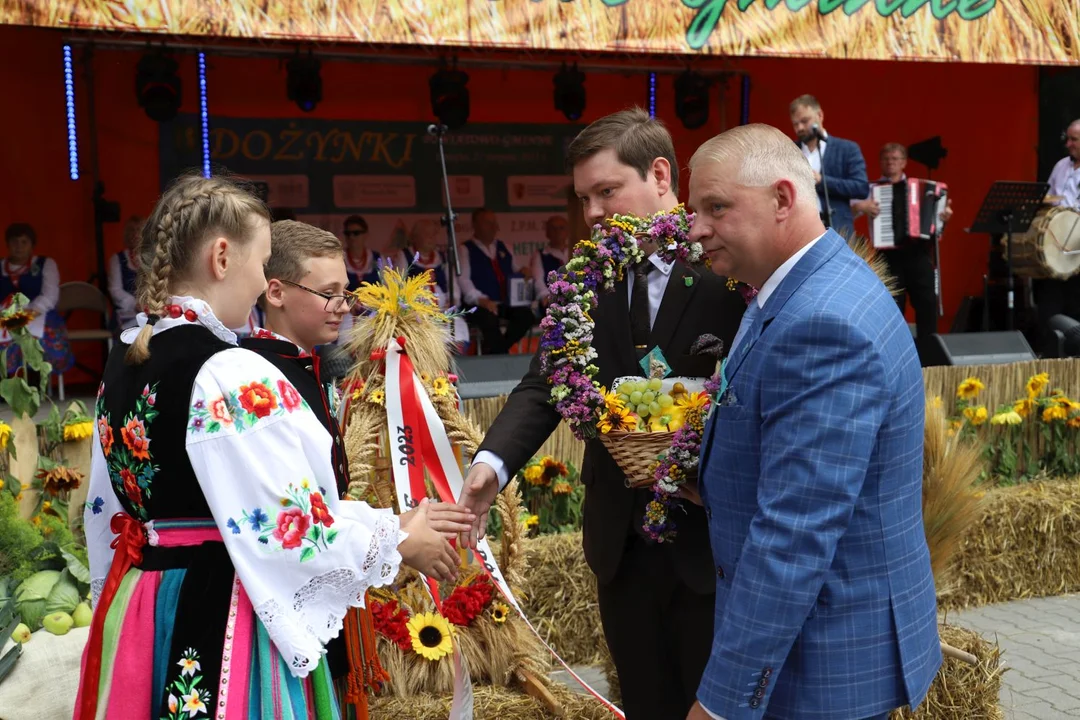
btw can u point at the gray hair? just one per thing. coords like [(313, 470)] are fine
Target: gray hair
[(766, 154)]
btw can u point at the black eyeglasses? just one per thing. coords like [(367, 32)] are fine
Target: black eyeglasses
[(334, 303)]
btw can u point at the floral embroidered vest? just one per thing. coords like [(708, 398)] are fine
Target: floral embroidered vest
[(142, 417)]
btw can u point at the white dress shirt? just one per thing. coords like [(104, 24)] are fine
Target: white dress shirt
[(538, 275), (1065, 181), (815, 158), (658, 282)]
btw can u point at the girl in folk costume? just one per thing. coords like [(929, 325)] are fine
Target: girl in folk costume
[(304, 304), (222, 561), (361, 262), (38, 279)]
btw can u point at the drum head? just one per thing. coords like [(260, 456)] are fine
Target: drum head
[(1061, 234)]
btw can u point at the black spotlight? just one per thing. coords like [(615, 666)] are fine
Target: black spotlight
[(450, 97), (692, 99), (304, 84), (570, 92), (157, 87)]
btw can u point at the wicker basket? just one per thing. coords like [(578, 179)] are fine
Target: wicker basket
[(636, 453)]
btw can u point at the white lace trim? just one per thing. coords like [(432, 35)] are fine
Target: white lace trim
[(205, 317), (317, 610)]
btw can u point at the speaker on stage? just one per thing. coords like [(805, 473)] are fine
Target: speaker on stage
[(982, 348)]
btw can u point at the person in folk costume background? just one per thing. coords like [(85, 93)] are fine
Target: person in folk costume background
[(655, 599), (424, 252), (361, 262), (38, 279), (304, 305), (122, 274), (550, 258), (233, 561)]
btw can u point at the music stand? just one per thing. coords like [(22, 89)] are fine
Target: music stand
[(1009, 207)]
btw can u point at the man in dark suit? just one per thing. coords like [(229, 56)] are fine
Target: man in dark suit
[(656, 600), (838, 164)]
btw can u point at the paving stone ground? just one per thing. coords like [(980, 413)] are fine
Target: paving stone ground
[(1040, 644)]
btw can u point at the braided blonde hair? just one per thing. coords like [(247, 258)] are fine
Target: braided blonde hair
[(189, 213)]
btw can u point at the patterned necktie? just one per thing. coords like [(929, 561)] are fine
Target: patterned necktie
[(640, 327)]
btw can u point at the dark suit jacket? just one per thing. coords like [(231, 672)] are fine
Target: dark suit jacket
[(845, 173), (611, 511)]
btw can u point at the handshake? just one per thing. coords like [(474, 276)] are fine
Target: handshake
[(433, 526)]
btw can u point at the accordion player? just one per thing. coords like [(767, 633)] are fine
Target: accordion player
[(910, 211)]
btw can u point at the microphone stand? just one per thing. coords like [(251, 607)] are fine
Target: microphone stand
[(448, 217), (824, 182)]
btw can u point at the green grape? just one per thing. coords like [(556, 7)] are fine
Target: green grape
[(635, 397), (654, 408), (643, 411), (648, 396), (665, 401), (655, 384), (623, 399)]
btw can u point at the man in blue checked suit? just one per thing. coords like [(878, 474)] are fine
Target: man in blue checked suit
[(811, 465)]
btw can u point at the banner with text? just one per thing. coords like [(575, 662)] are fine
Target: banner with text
[(991, 31), (387, 172)]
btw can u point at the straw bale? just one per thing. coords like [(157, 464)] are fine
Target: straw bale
[(1025, 544), (961, 691), (560, 597), (491, 703)]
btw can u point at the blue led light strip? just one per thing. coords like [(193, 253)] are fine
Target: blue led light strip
[(652, 94), (69, 97), (205, 115)]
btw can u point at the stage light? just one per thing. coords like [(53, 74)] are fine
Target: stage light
[(69, 98), (450, 97), (158, 87), (652, 94), (570, 92), (692, 100), (205, 116), (304, 83)]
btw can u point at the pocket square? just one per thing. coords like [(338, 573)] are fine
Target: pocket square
[(728, 398), (708, 344)]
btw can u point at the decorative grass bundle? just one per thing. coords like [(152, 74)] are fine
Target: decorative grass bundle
[(962, 691), (560, 593), (491, 703), (1025, 544)]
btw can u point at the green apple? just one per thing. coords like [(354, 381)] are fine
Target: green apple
[(58, 623), (22, 633), (82, 615)]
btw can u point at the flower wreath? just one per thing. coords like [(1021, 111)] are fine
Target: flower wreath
[(567, 355)]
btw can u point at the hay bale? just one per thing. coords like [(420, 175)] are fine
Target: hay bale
[(491, 703), (1026, 543), (560, 597), (961, 691)]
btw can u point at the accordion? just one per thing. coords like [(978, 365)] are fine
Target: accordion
[(910, 210)]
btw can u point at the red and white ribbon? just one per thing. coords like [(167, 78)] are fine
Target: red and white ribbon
[(419, 447)]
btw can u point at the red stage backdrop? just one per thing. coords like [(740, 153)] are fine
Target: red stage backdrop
[(869, 102)]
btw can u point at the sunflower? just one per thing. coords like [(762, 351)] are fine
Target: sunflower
[(59, 479), (499, 611), (377, 396), (440, 386), (1037, 383), (975, 415), (532, 521), (693, 409), (617, 420), (5, 434), (16, 320), (78, 430), (970, 388), (1054, 412), (1074, 422), (534, 475), (552, 469), (430, 634), (561, 488), (1006, 417), (612, 403)]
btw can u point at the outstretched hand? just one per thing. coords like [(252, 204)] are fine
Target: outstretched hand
[(481, 487), (426, 549)]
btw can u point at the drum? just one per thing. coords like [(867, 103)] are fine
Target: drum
[(1044, 250)]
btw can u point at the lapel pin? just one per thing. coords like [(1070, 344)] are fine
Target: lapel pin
[(688, 281)]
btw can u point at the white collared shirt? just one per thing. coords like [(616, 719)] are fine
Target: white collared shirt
[(1065, 181), (815, 159), (781, 272)]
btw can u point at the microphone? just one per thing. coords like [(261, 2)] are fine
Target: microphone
[(438, 129), (816, 131)]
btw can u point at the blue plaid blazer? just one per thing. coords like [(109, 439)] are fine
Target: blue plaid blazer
[(811, 476)]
